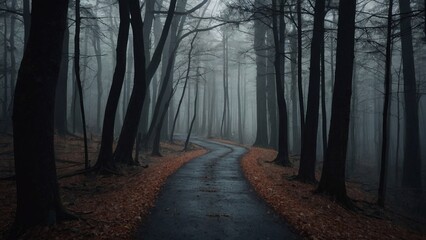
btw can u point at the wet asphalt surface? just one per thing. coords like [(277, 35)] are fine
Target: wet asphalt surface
[(209, 198)]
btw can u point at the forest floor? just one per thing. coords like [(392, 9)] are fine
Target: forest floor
[(112, 207), (109, 207), (315, 216)]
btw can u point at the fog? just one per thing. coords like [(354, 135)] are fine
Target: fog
[(216, 56)]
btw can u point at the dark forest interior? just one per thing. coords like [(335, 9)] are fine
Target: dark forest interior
[(315, 106)]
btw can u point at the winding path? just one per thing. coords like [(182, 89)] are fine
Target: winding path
[(209, 198)]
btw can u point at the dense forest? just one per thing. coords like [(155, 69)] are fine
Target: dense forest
[(336, 88)]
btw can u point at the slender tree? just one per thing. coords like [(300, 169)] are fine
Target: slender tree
[(309, 139), (142, 78), (333, 173), (385, 130), (105, 158), (279, 40), (78, 79), (299, 65), (260, 50), (194, 115)]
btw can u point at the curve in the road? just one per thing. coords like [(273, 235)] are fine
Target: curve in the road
[(209, 198)]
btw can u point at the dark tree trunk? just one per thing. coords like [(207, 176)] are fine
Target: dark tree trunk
[(385, 130), (105, 158), (212, 108), (169, 56), (333, 174), (279, 41), (157, 136), (295, 122), (12, 55), (299, 66), (123, 152), (259, 47), (194, 116), (78, 78), (6, 76), (323, 105), (27, 20), (184, 86), (61, 89), (271, 91), (225, 125), (98, 53), (411, 175), (240, 120), (309, 139), (38, 200)]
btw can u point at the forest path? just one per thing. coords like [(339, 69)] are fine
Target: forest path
[(209, 198)]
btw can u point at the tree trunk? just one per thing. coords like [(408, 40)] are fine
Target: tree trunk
[(6, 80), (411, 175), (105, 158), (61, 89), (78, 79), (212, 105), (279, 41), (299, 66), (333, 174), (184, 86), (27, 20), (259, 48), (271, 91), (98, 53), (323, 104), (194, 116), (224, 131), (12, 55), (38, 199), (295, 122), (123, 152), (385, 130), (240, 125), (309, 139)]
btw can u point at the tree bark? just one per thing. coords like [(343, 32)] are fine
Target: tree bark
[(411, 175), (98, 52), (6, 76), (309, 140), (259, 48), (385, 130), (194, 115), (123, 152), (333, 173), (27, 20), (294, 109), (299, 66), (105, 158), (184, 86), (61, 89), (78, 79), (279, 41), (38, 199), (271, 91)]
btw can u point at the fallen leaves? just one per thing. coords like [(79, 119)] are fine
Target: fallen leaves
[(314, 216), (109, 207)]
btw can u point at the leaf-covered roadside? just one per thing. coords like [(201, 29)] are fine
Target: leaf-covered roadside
[(110, 207), (312, 215)]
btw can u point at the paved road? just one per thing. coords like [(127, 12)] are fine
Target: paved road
[(209, 198)]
